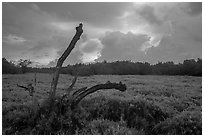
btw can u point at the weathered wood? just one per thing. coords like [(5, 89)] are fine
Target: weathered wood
[(26, 88), (79, 91), (76, 99), (70, 88), (35, 79), (61, 60), (29, 88)]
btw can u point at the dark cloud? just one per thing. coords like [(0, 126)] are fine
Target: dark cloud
[(184, 43), (148, 13), (169, 50), (194, 8), (13, 39), (27, 22), (90, 46), (90, 50), (42, 31), (84, 37), (50, 44), (120, 46), (100, 14), (73, 58), (21, 19), (122, 40), (188, 30), (166, 51)]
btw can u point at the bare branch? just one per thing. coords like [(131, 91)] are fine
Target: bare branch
[(73, 83), (108, 85), (29, 88), (61, 60), (79, 91), (22, 87)]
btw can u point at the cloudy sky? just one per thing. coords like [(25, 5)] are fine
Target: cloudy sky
[(146, 32)]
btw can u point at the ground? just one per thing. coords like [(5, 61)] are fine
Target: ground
[(178, 98)]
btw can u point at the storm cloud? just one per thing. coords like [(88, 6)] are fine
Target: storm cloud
[(149, 32), (121, 46)]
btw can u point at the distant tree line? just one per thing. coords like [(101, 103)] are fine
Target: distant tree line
[(189, 67), (9, 67)]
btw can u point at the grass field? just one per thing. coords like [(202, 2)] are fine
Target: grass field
[(150, 105)]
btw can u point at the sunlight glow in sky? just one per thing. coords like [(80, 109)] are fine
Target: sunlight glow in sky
[(147, 32)]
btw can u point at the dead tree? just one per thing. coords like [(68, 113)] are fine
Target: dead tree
[(70, 100), (78, 95), (61, 60)]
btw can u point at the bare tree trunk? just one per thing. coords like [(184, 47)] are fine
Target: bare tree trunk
[(35, 79), (61, 60)]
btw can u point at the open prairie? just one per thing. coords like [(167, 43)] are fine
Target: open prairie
[(150, 105)]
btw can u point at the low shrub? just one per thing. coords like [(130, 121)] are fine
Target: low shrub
[(138, 114), (99, 115), (106, 127), (186, 123)]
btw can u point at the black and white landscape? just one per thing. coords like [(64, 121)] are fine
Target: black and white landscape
[(115, 68)]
